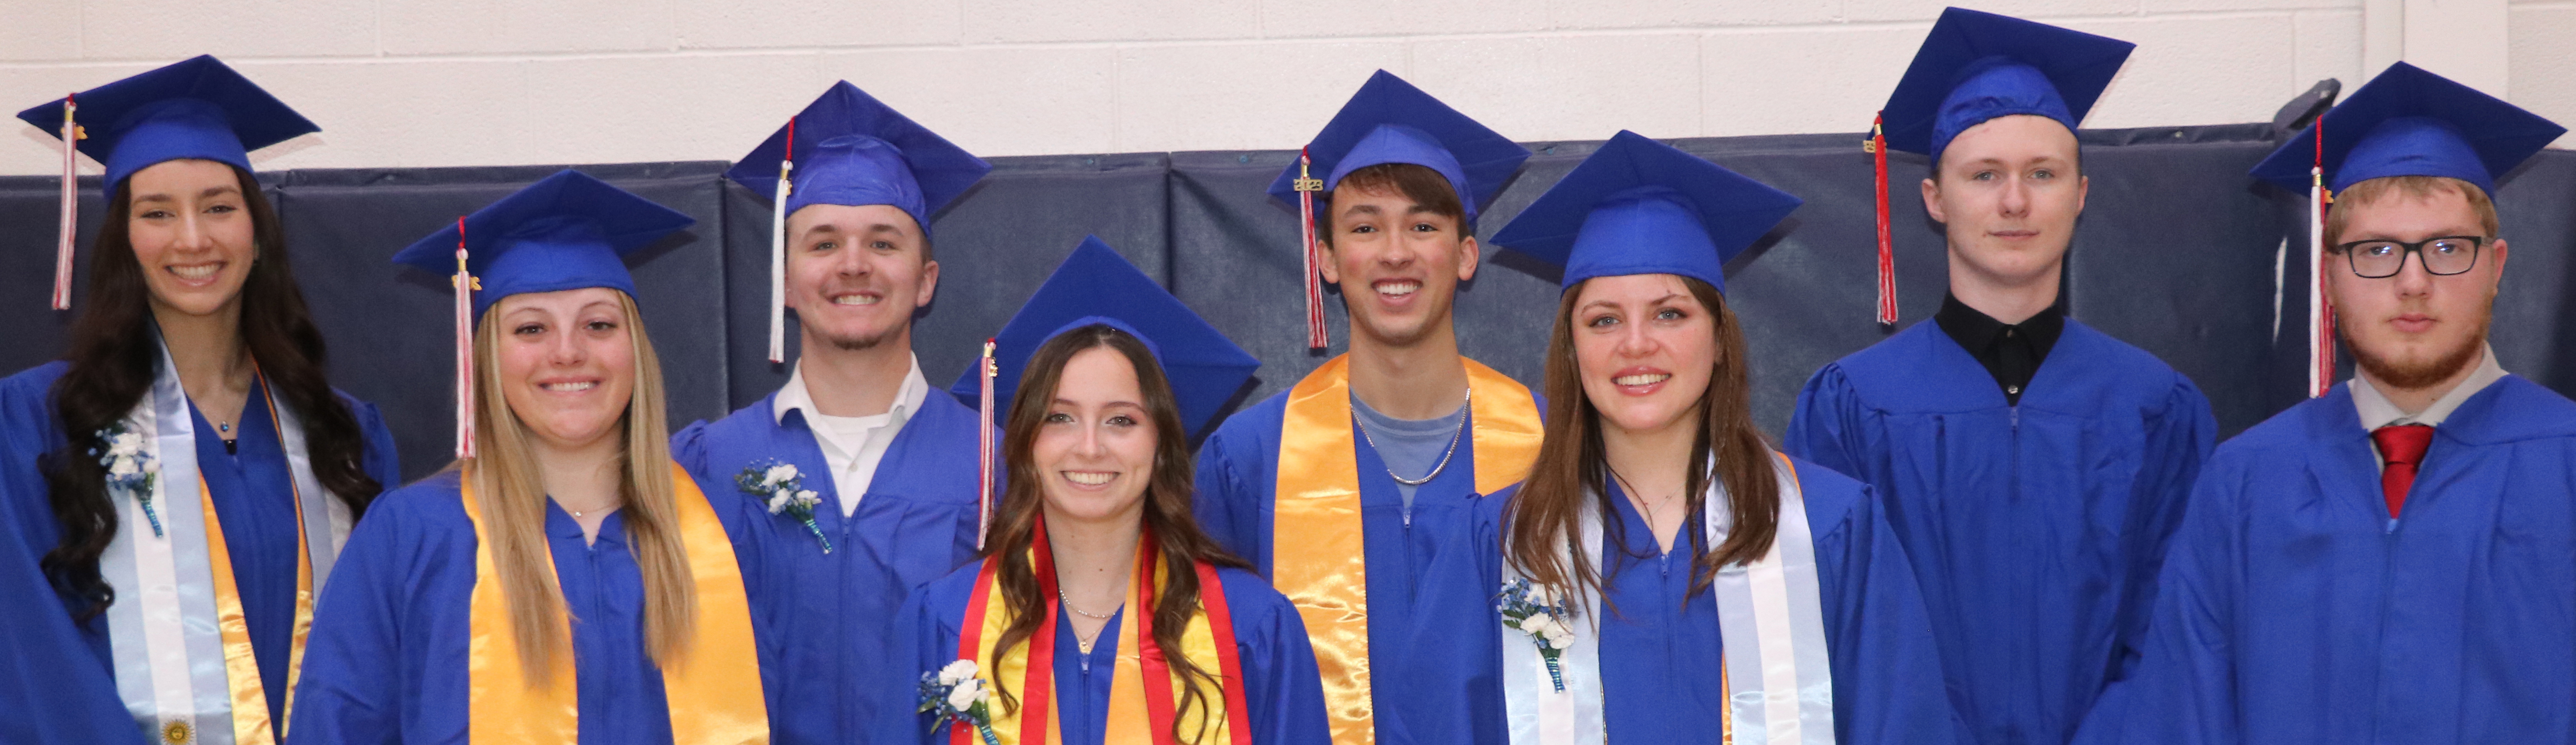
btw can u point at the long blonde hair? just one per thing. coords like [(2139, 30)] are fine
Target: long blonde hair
[(511, 497)]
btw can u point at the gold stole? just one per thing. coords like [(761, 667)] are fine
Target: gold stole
[(1136, 714), (251, 724), (714, 695), (1318, 513)]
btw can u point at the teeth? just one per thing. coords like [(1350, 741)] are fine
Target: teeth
[(1645, 379), (856, 300), (1090, 478), (571, 387), (200, 271), (1398, 288)]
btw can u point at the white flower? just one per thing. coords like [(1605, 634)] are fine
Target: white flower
[(124, 467), (966, 694), (1558, 635), (125, 443), (956, 671), (808, 498), (1537, 625), (778, 503), (778, 474)]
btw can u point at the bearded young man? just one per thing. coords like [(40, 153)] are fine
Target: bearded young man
[(2393, 562)]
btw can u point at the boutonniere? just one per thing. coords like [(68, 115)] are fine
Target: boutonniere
[(130, 469), (1542, 615), (778, 485), (958, 696)]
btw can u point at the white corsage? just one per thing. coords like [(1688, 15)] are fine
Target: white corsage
[(780, 488), (131, 469), (956, 695), (1546, 618)]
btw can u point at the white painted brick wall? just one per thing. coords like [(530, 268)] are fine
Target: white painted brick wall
[(490, 82)]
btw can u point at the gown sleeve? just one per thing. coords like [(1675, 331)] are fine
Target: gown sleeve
[(2178, 441), (1887, 673), (45, 667), (1223, 499), (1821, 429), (349, 691), (1281, 684), (381, 459), (2184, 688)]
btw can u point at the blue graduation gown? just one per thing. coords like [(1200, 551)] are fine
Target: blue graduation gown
[(2295, 611), (1424, 585), (1281, 686), (388, 657), (2036, 530), (1662, 649), (252, 492), (823, 624)]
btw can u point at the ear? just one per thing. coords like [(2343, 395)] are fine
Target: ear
[(929, 284), (2083, 187), (2498, 284), (1326, 264), (1468, 254), (1932, 201)]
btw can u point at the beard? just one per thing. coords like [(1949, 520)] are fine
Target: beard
[(859, 343), (2419, 373)]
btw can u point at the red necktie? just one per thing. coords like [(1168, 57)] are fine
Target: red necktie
[(2402, 445)]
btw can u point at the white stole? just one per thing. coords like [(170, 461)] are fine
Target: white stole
[(1771, 623)]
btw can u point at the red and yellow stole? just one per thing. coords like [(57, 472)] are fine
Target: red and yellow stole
[(714, 694), (1142, 698), (1318, 512)]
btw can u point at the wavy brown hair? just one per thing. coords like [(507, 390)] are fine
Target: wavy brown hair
[(113, 359), (1175, 533), (1570, 473)]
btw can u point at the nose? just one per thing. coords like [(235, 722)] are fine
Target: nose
[(193, 235), (1091, 444), (567, 349), (2413, 279), (1635, 342), (2015, 199)]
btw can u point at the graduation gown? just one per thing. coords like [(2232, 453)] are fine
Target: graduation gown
[(1660, 644), (2294, 610), (2036, 530), (253, 495), (388, 660), (1425, 594), (1281, 687), (825, 624)]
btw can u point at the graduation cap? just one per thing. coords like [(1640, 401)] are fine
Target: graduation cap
[(1975, 67), (1096, 285), (197, 108), (1637, 206), (1390, 121), (568, 231), (2410, 122), (2405, 122), (847, 148)]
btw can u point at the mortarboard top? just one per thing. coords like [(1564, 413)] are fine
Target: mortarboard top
[(1977, 66), (196, 108), (854, 150), (1637, 206), (1390, 121), (2409, 122), (566, 232), (1096, 285)]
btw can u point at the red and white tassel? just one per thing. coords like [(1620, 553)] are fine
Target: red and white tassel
[(984, 448), (1307, 185), (465, 287), (1877, 147), (71, 135), (2321, 340), (778, 249)]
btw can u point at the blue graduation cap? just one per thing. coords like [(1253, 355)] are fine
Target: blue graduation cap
[(1390, 121), (1977, 66), (1637, 206), (1096, 285), (2409, 122), (566, 232), (197, 108), (851, 149)]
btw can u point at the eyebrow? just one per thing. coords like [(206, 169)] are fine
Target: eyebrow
[(1656, 301), (211, 191), (1071, 402)]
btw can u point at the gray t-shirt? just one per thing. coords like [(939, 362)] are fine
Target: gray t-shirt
[(1410, 447)]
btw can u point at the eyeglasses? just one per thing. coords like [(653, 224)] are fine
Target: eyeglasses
[(2444, 256)]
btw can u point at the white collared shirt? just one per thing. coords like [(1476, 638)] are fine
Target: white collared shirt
[(2377, 411), (853, 445)]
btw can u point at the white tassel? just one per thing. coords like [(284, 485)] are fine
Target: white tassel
[(2320, 335), (465, 286), (778, 265), (984, 448), (71, 135)]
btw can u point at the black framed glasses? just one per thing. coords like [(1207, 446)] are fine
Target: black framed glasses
[(2443, 256)]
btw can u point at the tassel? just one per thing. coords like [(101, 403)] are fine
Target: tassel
[(1307, 185), (2321, 342), (984, 448), (466, 284), (1877, 147), (71, 135), (778, 249)]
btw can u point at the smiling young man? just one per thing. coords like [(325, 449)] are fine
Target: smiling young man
[(2030, 464), (890, 459), (1352, 491), (2390, 562)]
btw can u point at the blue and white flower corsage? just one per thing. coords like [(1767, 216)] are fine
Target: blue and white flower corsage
[(956, 695), (778, 485), (1546, 618), (131, 469)]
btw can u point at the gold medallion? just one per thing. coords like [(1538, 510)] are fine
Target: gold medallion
[(177, 732)]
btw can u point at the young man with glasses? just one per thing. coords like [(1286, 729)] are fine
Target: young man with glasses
[(2393, 562), (2030, 464)]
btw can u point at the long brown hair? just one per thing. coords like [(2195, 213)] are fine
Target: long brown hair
[(113, 361), (1569, 475), (1167, 518), (510, 496)]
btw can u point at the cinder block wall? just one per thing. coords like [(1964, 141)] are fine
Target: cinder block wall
[(494, 82)]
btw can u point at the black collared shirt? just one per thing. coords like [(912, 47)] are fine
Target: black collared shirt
[(2010, 352)]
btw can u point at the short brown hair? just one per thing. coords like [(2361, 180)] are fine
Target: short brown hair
[(1424, 186), (2419, 187)]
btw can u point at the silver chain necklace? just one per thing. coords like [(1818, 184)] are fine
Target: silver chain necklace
[(1068, 605), (1454, 437)]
